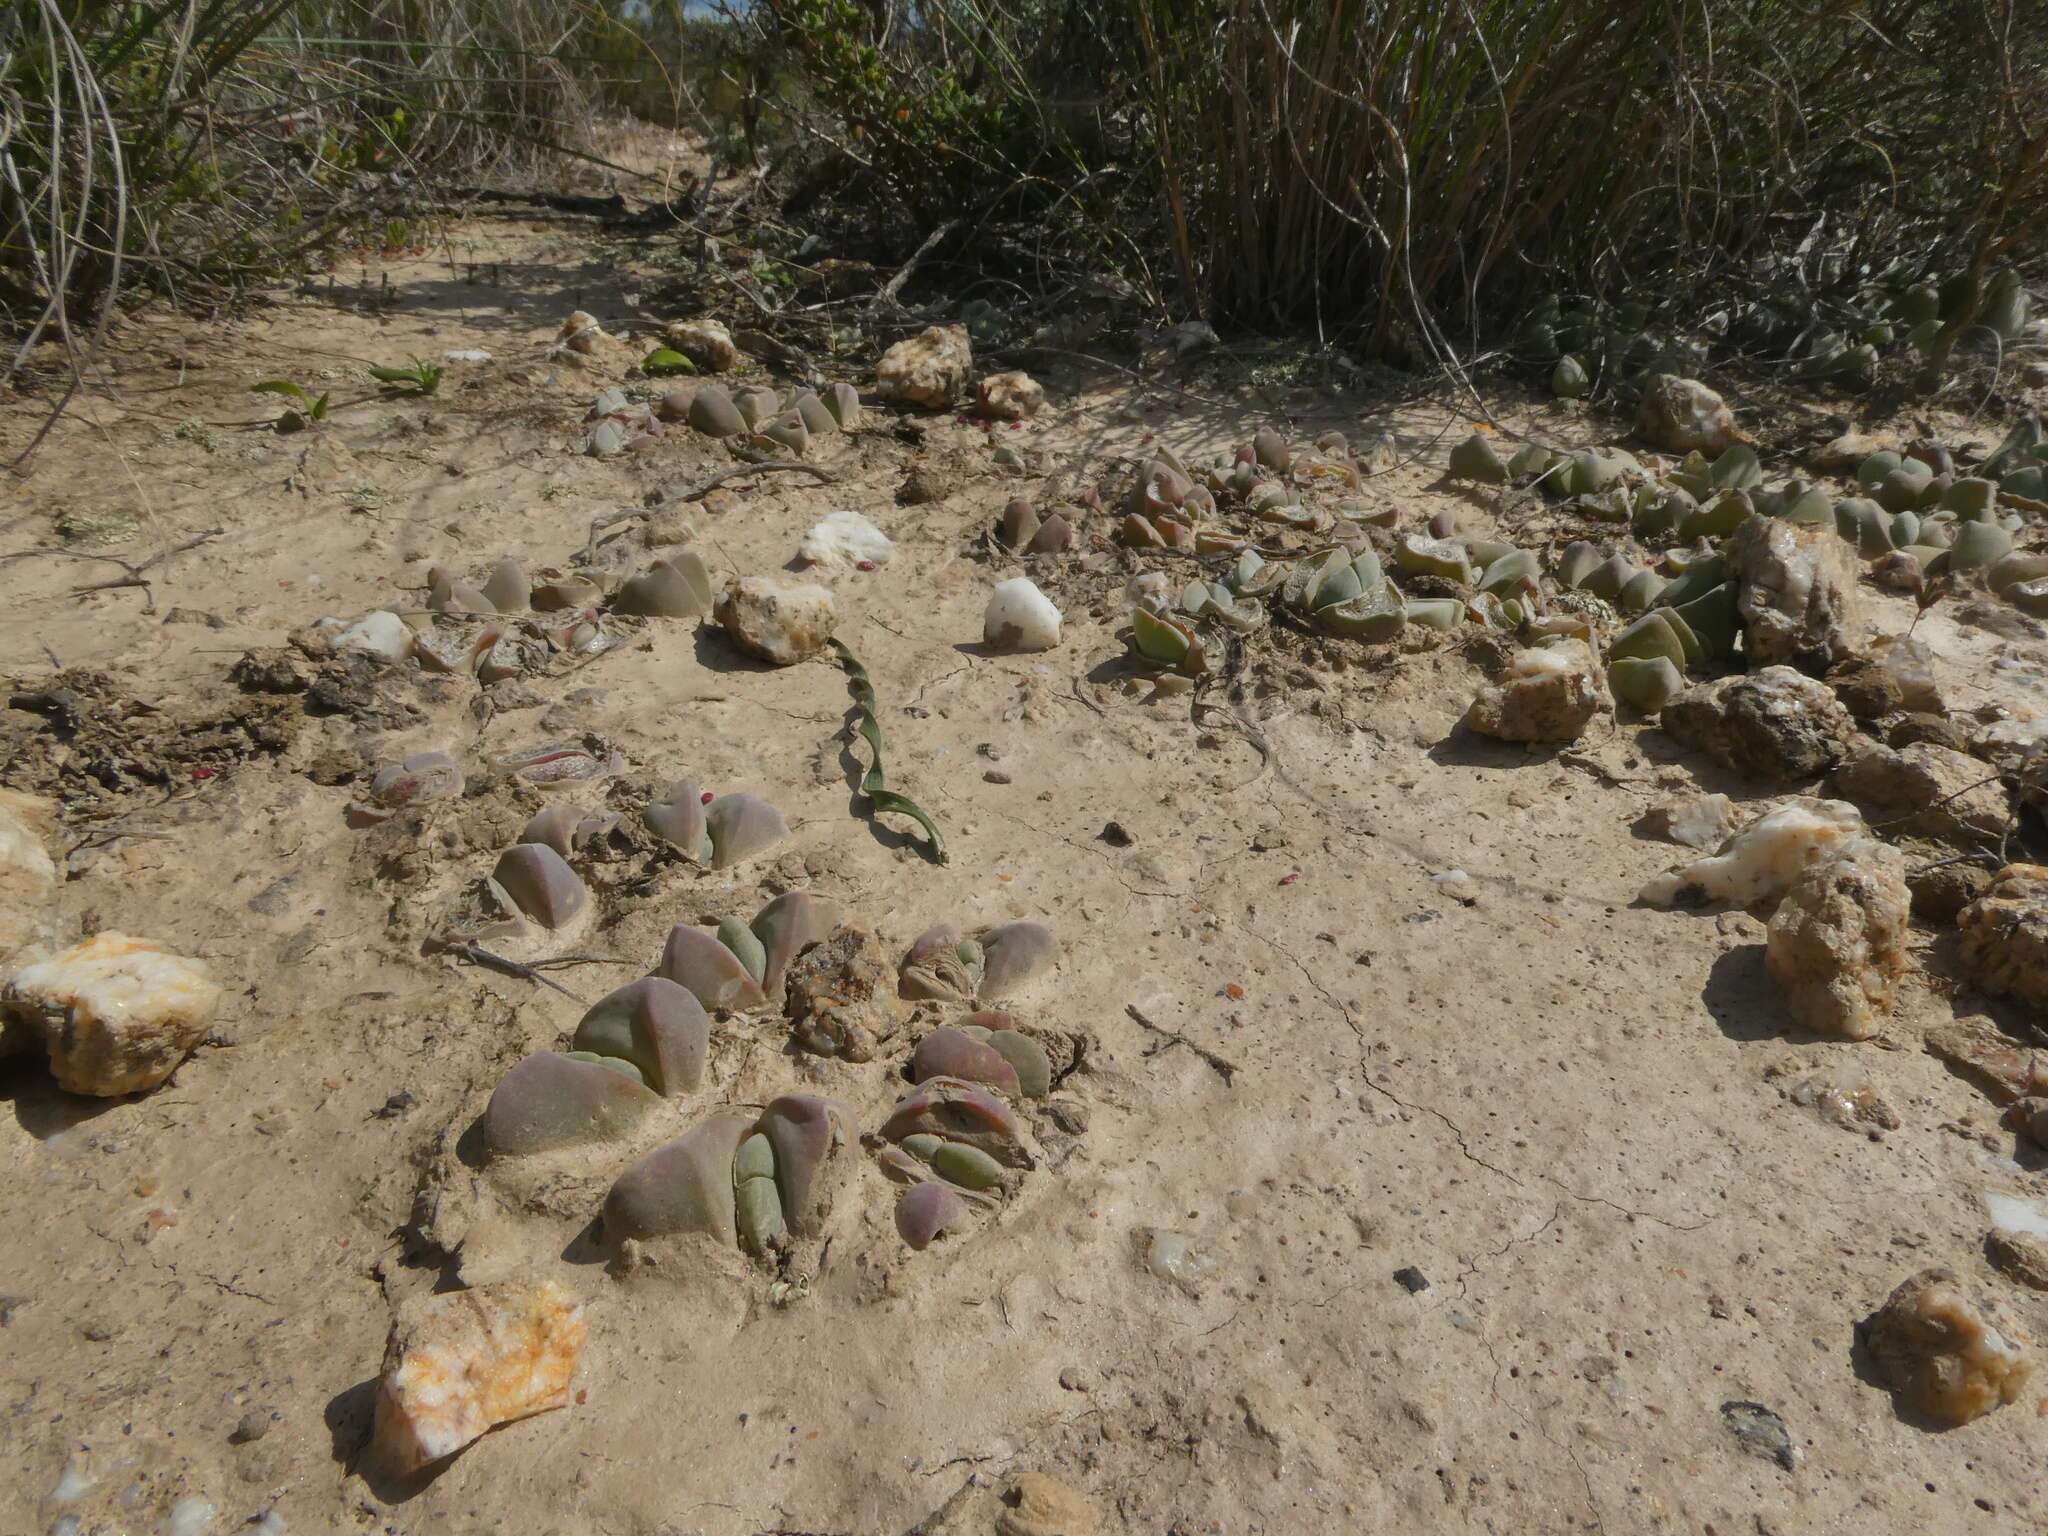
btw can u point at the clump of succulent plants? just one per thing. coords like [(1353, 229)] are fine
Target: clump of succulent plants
[(1347, 594), (960, 1136), (677, 588), (759, 1182), (616, 422), (1022, 531), (718, 832), (946, 966), (986, 1048), (742, 966)]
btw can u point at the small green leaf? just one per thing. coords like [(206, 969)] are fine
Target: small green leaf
[(664, 361), (283, 387)]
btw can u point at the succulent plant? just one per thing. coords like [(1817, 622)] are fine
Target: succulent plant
[(566, 827), (507, 588), (1025, 1055), (817, 417), (1347, 594), (786, 433), (713, 413), (1475, 459), (757, 406), (678, 588), (1169, 640), (663, 362), (1569, 379), (685, 1186), (720, 833), (843, 401), (656, 1026), (540, 883), (754, 1181), (449, 593), (550, 1100), (965, 1113), (674, 406), (928, 1209), (423, 778), (1271, 450), (1647, 682), (723, 979), (945, 966), (1977, 545)]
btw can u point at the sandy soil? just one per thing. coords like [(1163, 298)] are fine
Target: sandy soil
[(1569, 1113)]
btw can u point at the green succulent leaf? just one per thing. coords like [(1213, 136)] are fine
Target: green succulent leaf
[(882, 799)]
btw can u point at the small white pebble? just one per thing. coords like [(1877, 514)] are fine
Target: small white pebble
[(190, 1516), (71, 1487)]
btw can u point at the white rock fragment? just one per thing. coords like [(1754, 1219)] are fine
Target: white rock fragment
[(779, 621), (705, 342), (382, 633), (1020, 617), (461, 1363), (190, 1516), (845, 538), (929, 369), (117, 1013), (1683, 415), (1763, 860), (1837, 943), (2008, 1213), (1939, 1351), (1548, 693), (466, 355), (28, 875), (1696, 821), (1173, 1256), (1010, 396)]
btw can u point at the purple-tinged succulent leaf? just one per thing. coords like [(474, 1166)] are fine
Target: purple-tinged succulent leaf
[(550, 1100), (843, 401), (555, 825), (740, 826), (817, 416), (1013, 954), (713, 413), (786, 927), (1019, 524), (959, 1111), (678, 817), (554, 764), (709, 971), (449, 593), (927, 1209), (657, 1026), (540, 883), (940, 966), (507, 587), (946, 1052), (675, 405), (686, 1186), (807, 1134), (1054, 536)]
